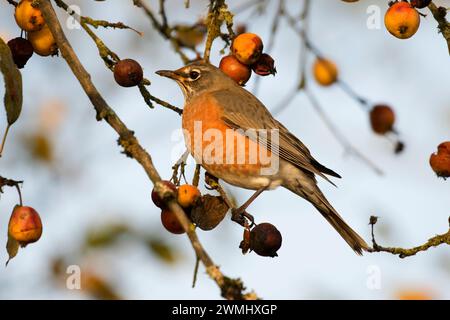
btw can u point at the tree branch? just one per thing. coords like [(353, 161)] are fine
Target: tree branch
[(439, 13), (348, 147), (231, 288), (163, 28), (403, 253), (93, 22), (218, 13), (162, 12)]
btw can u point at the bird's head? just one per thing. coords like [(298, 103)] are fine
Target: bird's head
[(198, 77)]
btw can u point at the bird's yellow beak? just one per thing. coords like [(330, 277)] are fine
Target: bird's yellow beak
[(175, 75)]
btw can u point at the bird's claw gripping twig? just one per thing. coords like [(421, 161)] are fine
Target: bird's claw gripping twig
[(239, 215)]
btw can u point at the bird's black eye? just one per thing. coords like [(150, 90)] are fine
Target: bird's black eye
[(194, 75)]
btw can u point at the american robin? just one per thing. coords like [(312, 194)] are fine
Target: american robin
[(225, 126)]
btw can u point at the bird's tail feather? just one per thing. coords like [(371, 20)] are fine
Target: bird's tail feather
[(347, 233), (318, 200)]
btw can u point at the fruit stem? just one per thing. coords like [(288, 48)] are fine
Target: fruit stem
[(196, 178), (4, 140), (197, 264), (20, 195), (347, 89)]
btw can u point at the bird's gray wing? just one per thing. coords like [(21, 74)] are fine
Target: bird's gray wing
[(244, 111)]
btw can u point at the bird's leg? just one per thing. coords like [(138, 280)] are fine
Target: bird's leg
[(239, 214)]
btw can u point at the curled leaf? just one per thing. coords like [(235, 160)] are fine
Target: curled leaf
[(13, 88), (12, 247), (208, 212), (13, 84)]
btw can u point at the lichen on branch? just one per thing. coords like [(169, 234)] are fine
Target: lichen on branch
[(217, 15), (402, 252)]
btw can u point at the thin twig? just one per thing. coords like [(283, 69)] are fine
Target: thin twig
[(285, 102), (148, 98), (106, 24), (273, 32), (304, 15), (110, 58), (4, 182), (213, 24), (363, 102), (214, 184), (162, 12), (179, 165), (247, 5), (197, 264), (93, 22), (2, 145), (348, 147), (439, 14), (163, 29), (402, 252)]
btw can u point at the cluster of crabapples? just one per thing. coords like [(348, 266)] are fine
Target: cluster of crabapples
[(381, 116), (247, 56), (206, 212), (38, 38), (402, 19)]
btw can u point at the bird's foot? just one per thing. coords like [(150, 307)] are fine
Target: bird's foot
[(239, 215)]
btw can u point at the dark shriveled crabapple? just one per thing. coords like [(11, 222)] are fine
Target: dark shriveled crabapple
[(208, 212), (21, 50), (420, 4), (128, 73), (264, 66), (265, 240)]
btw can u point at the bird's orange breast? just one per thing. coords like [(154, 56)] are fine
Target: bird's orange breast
[(222, 151)]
